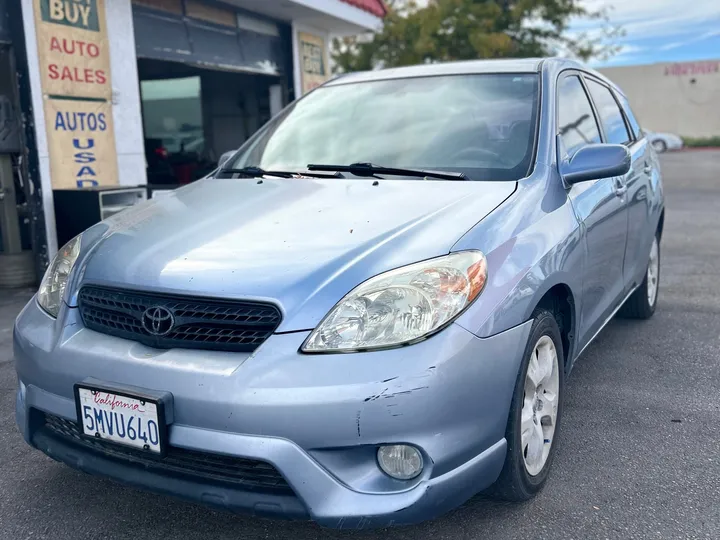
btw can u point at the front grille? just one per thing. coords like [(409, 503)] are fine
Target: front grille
[(197, 323), (241, 473)]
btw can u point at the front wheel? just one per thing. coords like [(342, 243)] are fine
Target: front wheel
[(535, 413), (659, 146), (641, 304)]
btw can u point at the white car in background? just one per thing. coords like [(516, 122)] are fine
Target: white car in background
[(662, 142)]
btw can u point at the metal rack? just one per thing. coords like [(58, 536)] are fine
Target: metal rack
[(79, 209)]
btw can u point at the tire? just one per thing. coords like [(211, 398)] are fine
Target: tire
[(660, 146), (519, 481), (640, 305)]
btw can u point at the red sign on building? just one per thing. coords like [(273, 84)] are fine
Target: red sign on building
[(693, 68)]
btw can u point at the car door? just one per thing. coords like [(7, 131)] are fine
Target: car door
[(601, 208), (617, 131), (639, 195)]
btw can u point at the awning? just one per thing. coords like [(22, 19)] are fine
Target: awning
[(165, 36), (376, 7)]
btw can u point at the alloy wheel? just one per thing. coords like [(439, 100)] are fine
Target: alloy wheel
[(540, 405), (653, 273), (659, 146)]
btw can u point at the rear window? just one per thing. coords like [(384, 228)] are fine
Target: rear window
[(634, 124), (576, 121), (612, 119)]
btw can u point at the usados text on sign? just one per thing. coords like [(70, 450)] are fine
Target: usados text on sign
[(79, 142), (73, 53)]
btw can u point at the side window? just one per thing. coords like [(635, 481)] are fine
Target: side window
[(576, 122), (612, 119), (630, 116)]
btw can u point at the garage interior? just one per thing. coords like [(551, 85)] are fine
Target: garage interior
[(210, 76)]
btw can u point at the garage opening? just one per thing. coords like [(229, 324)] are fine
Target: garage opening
[(210, 76)]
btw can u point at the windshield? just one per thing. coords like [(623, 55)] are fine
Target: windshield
[(482, 125)]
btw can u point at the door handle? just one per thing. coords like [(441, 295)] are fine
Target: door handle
[(620, 190), (647, 169)]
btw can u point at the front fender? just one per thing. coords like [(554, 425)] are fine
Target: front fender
[(544, 248)]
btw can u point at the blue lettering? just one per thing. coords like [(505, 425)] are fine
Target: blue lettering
[(132, 434), (88, 416), (80, 121), (120, 423), (99, 420), (86, 183), (71, 126), (153, 432), (86, 170), (84, 157), (108, 421), (141, 433), (89, 144), (59, 121)]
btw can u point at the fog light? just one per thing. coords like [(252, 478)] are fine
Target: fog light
[(400, 461)]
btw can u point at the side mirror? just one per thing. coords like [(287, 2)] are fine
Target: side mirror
[(225, 157), (596, 161)]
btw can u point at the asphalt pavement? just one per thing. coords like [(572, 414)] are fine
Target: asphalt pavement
[(638, 455)]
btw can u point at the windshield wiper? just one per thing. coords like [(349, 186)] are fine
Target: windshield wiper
[(257, 172), (370, 170)]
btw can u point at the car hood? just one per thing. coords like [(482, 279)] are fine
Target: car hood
[(300, 243)]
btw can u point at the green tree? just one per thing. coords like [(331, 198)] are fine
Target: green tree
[(445, 30)]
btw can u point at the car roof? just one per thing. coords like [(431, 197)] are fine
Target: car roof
[(524, 65), (511, 65)]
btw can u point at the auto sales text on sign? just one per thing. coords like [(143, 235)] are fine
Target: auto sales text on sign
[(74, 57)]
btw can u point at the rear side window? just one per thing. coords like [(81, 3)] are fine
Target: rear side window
[(612, 119), (576, 122), (630, 116)]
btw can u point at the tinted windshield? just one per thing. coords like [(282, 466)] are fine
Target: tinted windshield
[(482, 125)]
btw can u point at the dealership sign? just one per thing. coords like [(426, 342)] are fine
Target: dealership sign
[(693, 68), (75, 77)]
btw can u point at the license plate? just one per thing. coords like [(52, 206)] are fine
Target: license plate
[(121, 418)]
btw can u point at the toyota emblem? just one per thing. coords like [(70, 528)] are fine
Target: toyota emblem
[(157, 320)]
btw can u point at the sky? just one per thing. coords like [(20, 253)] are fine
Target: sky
[(660, 30), (657, 30)]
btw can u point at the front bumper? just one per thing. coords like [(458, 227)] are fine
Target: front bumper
[(317, 419)]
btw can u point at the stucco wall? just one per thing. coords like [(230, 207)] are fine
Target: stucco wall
[(681, 98)]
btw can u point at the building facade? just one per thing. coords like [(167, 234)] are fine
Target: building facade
[(130, 93), (681, 98)]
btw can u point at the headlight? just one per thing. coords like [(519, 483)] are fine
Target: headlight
[(401, 306), (52, 287)]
